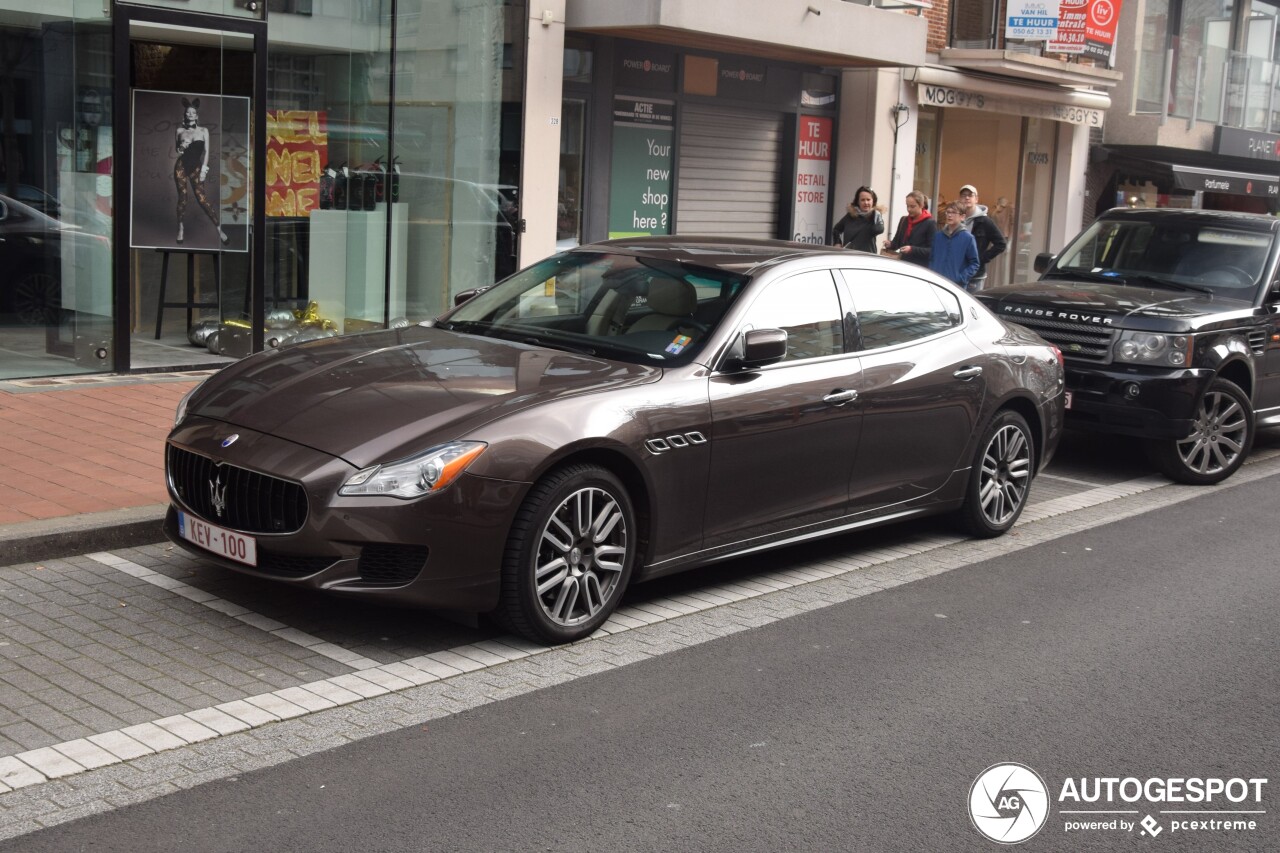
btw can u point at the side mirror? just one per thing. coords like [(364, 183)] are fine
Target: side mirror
[(463, 295), (762, 346), (1043, 261)]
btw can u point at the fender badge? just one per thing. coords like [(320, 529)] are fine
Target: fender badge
[(231, 439)]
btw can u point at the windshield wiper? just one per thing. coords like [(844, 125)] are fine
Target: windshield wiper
[(1175, 285), (477, 327), (553, 344)]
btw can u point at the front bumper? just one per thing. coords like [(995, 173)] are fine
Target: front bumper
[(443, 551), (1135, 401)]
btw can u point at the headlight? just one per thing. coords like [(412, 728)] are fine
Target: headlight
[(1152, 348), (416, 476), (182, 405)]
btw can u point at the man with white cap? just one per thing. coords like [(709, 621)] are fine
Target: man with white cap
[(985, 232)]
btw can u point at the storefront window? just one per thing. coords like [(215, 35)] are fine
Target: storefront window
[(1202, 58), (56, 205), (457, 146), (1035, 199), (1149, 89)]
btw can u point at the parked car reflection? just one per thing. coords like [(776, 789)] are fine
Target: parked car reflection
[(38, 254)]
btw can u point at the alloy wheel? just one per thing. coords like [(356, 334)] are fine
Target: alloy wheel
[(1006, 474), (581, 555), (1218, 437)]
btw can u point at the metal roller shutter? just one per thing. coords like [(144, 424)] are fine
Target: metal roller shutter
[(728, 180)]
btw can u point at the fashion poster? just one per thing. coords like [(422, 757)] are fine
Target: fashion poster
[(191, 172)]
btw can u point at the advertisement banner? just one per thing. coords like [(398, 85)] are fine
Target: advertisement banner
[(1072, 16), (813, 172), (640, 185), (191, 172), (1100, 29), (1031, 20), (297, 151)]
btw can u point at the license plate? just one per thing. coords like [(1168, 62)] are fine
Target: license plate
[(1067, 396), (219, 540)]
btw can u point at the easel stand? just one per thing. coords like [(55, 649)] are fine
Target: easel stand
[(191, 282)]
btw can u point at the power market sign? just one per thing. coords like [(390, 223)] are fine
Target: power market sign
[(1009, 803)]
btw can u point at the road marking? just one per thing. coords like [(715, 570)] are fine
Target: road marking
[(235, 611), (33, 767)]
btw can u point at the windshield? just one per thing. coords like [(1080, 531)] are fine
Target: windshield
[(1180, 254), (642, 310)]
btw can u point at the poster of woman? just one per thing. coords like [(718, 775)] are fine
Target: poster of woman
[(190, 172)]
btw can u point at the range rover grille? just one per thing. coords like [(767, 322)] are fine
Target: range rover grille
[(1078, 341), (249, 501)]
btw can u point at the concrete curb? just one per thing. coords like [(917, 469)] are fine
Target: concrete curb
[(33, 541)]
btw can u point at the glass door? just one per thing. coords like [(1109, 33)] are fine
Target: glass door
[(189, 195)]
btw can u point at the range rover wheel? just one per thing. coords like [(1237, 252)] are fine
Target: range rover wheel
[(1219, 441), (1001, 477), (569, 555)]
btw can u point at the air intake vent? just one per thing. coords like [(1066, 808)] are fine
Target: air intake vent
[(391, 565), (1258, 341)]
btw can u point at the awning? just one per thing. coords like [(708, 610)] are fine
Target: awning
[(945, 87), (1219, 181)]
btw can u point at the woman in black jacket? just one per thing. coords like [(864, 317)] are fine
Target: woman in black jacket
[(913, 241), (858, 228)]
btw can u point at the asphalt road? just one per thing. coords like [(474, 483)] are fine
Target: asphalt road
[(1142, 648)]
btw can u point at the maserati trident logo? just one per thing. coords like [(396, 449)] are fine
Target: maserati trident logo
[(231, 439), (218, 495)]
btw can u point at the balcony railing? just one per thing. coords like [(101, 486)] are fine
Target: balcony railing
[(1213, 84)]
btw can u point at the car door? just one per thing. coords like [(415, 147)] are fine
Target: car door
[(920, 389), (784, 435)]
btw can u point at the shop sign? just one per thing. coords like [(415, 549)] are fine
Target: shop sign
[(1031, 20), (1232, 183), (946, 96), (642, 67), (297, 151), (640, 181), (1246, 143), (738, 79), (813, 175)]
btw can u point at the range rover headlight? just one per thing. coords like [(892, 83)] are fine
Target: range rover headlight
[(424, 474), (1153, 348)]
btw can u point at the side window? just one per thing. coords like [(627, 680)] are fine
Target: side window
[(807, 308), (896, 309)]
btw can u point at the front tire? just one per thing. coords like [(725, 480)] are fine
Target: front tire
[(1219, 442), (569, 555), (1000, 479)]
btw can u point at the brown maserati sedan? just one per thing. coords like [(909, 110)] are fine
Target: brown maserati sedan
[(614, 413)]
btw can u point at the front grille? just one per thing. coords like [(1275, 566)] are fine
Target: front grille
[(391, 565), (1078, 341), (250, 502)]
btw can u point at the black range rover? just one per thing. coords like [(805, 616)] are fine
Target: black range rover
[(1169, 321)]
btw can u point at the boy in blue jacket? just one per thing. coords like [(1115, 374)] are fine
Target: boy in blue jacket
[(955, 252)]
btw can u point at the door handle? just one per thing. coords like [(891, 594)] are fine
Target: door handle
[(839, 398), (967, 373)]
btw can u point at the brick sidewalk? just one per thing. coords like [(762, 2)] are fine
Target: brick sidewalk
[(87, 445)]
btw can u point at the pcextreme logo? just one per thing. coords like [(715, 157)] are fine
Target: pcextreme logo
[(1009, 803)]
